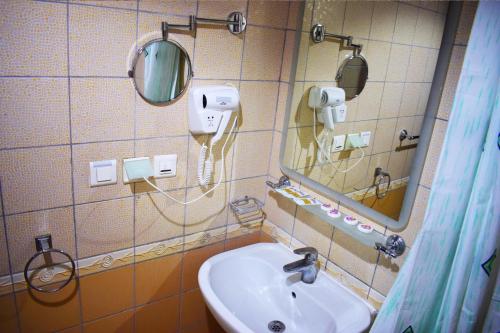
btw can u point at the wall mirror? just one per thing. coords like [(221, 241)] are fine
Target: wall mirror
[(392, 116), (161, 71)]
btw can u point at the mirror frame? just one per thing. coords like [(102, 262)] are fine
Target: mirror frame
[(451, 24), (134, 64)]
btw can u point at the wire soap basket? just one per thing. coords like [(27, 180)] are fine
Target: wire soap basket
[(248, 209)]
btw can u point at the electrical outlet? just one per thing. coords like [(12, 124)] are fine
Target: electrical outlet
[(365, 138), (338, 143)]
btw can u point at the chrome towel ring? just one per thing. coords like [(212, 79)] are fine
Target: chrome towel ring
[(44, 248)]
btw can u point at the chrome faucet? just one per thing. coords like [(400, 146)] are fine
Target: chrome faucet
[(308, 267)]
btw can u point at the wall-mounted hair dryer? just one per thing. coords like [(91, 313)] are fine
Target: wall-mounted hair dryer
[(210, 109), (331, 102)]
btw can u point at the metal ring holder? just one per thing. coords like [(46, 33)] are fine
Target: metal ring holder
[(44, 247)]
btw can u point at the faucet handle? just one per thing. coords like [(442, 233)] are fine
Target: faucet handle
[(310, 252)]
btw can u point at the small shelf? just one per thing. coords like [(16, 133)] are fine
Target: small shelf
[(367, 239)]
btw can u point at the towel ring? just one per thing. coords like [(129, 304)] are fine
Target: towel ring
[(44, 247)]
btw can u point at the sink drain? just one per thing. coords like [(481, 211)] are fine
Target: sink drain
[(276, 326)]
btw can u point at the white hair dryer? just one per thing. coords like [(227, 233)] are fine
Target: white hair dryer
[(331, 102), (210, 109)]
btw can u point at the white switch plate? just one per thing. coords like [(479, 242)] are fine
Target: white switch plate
[(352, 138), (338, 143), (165, 165), (102, 173), (365, 138)]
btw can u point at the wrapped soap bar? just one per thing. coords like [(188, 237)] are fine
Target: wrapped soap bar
[(305, 201)]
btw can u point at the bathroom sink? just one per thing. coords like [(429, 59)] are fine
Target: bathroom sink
[(247, 291)]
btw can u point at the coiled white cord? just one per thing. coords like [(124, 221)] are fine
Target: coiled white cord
[(222, 168), (322, 154), (205, 166)]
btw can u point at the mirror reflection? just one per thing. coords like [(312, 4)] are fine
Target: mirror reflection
[(162, 70), (352, 75), (353, 145)]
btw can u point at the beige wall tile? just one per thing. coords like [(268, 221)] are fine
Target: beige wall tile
[(281, 108), (280, 210), (214, 212), (384, 135), (417, 65), (293, 15), (369, 101), (409, 102), (312, 231), (424, 28), (353, 257), (430, 66), (4, 259), (330, 14), (423, 97), (209, 43), (331, 177), (274, 167), (195, 143), (113, 31), (302, 57), (23, 228), (29, 45), (396, 164), (221, 8), (432, 158), (86, 153), (170, 7), (383, 20), (358, 16), (320, 60), (248, 146), (32, 106), (102, 109), (263, 53), (25, 188), (288, 54), (451, 82), (437, 33), (417, 216), (157, 217), (125, 4), (406, 22), (398, 63), (377, 55), (268, 13), (465, 23), (174, 145), (391, 99), (358, 177), (258, 105), (104, 226)]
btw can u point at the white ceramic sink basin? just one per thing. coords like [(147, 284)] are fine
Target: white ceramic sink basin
[(246, 289)]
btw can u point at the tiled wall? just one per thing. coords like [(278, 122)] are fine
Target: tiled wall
[(66, 100), (362, 268), (401, 43)]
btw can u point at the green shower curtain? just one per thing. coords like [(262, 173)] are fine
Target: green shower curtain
[(449, 280)]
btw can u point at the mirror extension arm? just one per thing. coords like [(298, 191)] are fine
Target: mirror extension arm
[(236, 24), (318, 34)]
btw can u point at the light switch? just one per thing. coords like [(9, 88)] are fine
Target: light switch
[(102, 173), (165, 165), (338, 143), (365, 138)]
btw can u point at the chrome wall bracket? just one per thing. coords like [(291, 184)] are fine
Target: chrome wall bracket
[(236, 23), (318, 35), (394, 246), (284, 181)]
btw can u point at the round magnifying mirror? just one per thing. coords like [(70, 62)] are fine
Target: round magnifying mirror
[(161, 71), (352, 75)]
